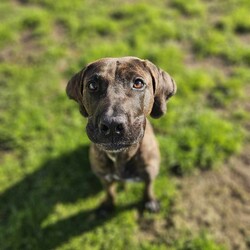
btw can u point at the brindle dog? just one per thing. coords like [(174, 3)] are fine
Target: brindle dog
[(116, 95)]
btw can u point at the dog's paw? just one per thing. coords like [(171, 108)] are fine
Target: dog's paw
[(152, 206), (105, 209)]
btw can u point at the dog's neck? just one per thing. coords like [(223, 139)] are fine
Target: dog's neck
[(123, 156)]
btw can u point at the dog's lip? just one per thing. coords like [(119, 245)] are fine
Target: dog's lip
[(114, 147)]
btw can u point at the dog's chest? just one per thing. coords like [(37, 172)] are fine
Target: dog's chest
[(122, 172)]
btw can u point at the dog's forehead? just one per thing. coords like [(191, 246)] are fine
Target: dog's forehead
[(110, 67)]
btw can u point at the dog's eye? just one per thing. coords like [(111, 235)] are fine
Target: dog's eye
[(138, 84), (93, 86)]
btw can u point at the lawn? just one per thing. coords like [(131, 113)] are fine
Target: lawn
[(48, 193)]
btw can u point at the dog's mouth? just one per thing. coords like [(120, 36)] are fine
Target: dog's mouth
[(114, 147)]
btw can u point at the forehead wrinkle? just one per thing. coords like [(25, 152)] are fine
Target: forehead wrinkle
[(116, 68)]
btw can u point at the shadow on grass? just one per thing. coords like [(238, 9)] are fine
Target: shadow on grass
[(75, 225), (27, 204)]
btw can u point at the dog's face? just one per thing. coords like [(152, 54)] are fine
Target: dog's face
[(116, 95)]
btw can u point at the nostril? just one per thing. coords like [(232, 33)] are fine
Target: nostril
[(104, 129), (119, 128), (112, 126)]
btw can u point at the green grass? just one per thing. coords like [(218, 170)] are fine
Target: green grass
[(47, 191)]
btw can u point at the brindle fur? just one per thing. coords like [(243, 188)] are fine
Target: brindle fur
[(133, 153)]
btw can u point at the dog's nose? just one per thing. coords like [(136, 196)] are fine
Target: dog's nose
[(112, 126)]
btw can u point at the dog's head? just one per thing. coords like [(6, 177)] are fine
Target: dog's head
[(116, 95)]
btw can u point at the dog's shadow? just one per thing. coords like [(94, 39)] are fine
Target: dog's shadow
[(25, 206)]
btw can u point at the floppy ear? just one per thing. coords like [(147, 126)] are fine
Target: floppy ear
[(164, 87), (74, 90)]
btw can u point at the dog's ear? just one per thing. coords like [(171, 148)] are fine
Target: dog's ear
[(164, 87), (74, 90)]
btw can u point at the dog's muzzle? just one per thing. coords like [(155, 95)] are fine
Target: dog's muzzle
[(115, 133)]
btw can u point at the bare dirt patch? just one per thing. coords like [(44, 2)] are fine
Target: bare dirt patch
[(26, 49), (245, 38), (209, 63), (218, 202)]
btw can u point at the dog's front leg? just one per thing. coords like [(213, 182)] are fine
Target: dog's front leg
[(108, 204), (149, 201)]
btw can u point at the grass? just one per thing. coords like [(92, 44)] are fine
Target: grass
[(47, 190)]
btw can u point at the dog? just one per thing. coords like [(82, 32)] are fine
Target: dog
[(117, 95)]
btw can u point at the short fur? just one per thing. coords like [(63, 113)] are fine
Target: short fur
[(123, 146)]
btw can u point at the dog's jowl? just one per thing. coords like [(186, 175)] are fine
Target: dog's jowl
[(116, 95)]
